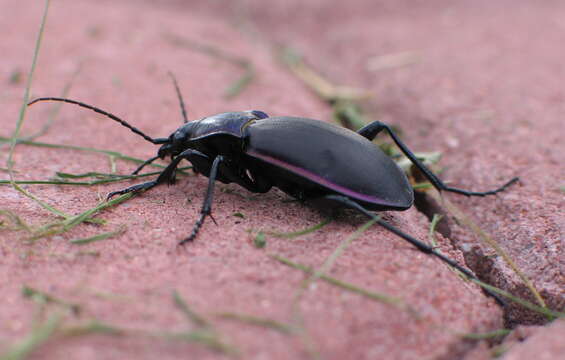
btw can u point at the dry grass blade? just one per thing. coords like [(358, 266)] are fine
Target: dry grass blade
[(394, 60), (323, 88), (237, 86), (18, 222), (385, 299)]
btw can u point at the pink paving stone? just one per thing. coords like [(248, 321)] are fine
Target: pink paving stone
[(486, 91), (494, 115), (543, 343)]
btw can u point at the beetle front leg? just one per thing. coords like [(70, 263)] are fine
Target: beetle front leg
[(208, 198), (371, 130), (166, 175)]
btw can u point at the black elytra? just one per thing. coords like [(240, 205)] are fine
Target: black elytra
[(310, 160)]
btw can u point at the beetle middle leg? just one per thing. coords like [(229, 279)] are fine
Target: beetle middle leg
[(206, 209), (423, 247), (371, 130)]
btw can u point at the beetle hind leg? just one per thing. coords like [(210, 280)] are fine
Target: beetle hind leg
[(423, 247), (371, 130)]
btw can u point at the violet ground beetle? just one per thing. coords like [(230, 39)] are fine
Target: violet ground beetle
[(310, 160)]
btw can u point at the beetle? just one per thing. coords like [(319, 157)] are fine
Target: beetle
[(310, 160)]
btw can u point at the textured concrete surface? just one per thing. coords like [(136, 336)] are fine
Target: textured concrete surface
[(485, 90)]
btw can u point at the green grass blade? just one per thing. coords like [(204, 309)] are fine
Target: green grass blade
[(488, 335), (293, 234), (259, 321), (44, 297), (75, 220), (99, 237), (72, 221), (22, 349), (15, 135), (27, 91), (192, 316), (116, 154), (550, 314)]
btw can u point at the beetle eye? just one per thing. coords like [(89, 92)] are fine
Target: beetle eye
[(164, 150)]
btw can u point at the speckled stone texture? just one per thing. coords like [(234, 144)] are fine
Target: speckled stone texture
[(531, 342), (486, 90)]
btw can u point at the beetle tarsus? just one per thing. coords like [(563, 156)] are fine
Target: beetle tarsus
[(135, 188), (481, 193), (195, 230), (172, 178), (207, 204)]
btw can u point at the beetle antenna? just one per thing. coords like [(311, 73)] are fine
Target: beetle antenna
[(179, 95), (100, 111)]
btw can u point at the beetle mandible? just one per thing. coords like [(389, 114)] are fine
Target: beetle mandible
[(310, 160)]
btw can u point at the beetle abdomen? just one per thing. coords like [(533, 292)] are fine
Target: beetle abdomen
[(333, 157)]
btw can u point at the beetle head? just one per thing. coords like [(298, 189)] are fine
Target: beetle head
[(175, 143), (231, 123)]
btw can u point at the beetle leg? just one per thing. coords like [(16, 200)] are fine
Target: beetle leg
[(423, 247), (208, 198), (261, 185), (230, 172), (248, 179), (166, 175), (371, 130)]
